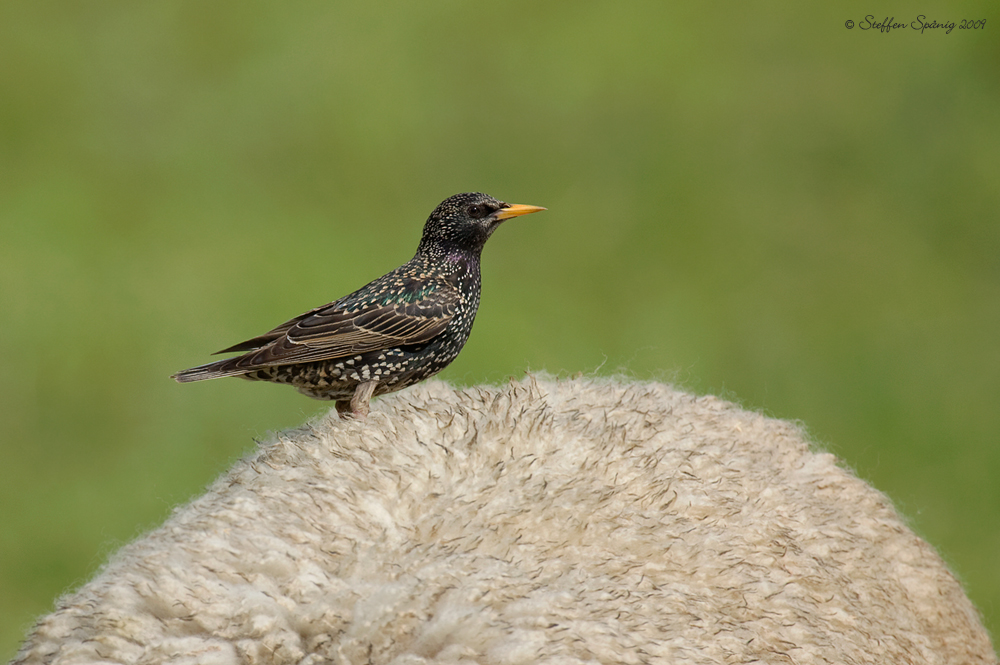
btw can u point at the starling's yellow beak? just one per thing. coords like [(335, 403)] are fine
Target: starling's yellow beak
[(515, 210)]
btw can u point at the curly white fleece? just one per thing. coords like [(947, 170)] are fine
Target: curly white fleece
[(540, 522)]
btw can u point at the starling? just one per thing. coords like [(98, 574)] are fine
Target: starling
[(392, 333)]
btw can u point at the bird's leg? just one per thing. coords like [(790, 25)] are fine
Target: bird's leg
[(358, 405)]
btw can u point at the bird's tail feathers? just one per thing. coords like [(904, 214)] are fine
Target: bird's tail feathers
[(216, 370)]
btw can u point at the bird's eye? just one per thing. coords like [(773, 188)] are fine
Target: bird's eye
[(478, 211)]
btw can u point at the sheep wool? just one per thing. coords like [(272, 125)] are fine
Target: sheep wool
[(545, 521)]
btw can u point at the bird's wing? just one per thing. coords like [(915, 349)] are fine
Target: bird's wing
[(339, 330), (270, 336)]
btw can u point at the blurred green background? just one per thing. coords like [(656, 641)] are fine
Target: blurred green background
[(751, 201)]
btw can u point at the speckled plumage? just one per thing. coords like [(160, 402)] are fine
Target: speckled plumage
[(401, 328)]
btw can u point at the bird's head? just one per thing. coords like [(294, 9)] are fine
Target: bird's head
[(465, 222)]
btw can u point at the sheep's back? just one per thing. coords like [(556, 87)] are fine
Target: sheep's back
[(543, 521)]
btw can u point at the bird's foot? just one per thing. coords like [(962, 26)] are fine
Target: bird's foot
[(357, 406)]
